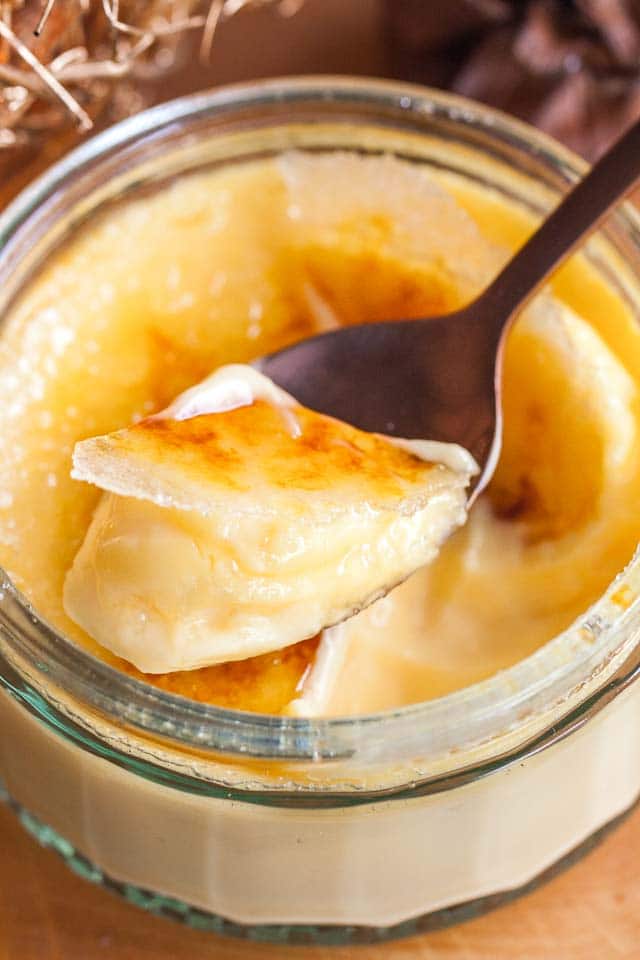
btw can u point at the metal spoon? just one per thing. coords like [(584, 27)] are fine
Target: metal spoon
[(440, 378)]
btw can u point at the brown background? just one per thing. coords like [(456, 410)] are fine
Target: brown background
[(591, 912)]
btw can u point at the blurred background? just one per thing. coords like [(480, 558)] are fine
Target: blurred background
[(571, 67)]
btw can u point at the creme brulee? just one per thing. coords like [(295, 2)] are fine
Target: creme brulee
[(228, 265)]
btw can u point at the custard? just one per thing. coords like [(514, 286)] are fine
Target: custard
[(225, 266), (238, 522)]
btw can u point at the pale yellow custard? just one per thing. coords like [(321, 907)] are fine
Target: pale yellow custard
[(237, 522), (225, 266)]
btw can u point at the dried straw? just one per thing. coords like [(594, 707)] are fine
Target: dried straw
[(75, 81)]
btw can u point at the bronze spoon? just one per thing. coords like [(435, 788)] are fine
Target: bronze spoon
[(439, 378)]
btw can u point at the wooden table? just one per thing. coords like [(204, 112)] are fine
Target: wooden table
[(590, 912)]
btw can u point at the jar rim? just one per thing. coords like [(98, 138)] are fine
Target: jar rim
[(570, 668)]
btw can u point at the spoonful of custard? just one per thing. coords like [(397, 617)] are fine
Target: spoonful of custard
[(237, 522), (439, 378)]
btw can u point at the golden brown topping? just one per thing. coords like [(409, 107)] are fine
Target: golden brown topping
[(264, 684)]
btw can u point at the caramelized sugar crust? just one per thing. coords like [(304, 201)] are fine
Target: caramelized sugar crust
[(324, 450), (258, 449), (265, 684)]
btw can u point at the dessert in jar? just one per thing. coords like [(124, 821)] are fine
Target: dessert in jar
[(185, 707)]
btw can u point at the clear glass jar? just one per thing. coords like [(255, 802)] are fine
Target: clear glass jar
[(339, 830)]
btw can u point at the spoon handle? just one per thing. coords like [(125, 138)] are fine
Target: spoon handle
[(580, 212)]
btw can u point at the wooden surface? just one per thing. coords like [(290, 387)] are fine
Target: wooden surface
[(591, 912)]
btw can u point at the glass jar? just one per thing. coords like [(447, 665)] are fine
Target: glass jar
[(334, 830)]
